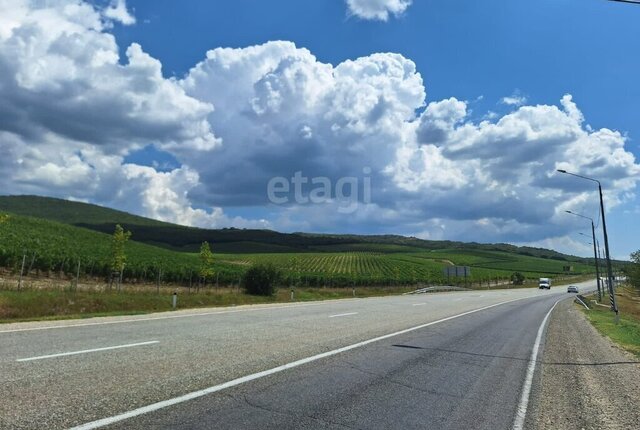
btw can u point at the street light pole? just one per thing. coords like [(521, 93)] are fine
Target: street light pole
[(612, 295), (595, 253), (600, 251)]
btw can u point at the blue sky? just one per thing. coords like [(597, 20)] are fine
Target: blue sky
[(463, 48), (471, 160)]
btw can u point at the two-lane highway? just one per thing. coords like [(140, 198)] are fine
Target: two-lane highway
[(445, 359)]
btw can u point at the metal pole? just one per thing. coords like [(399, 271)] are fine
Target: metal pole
[(612, 294), (77, 275), (24, 257), (595, 256), (600, 254)]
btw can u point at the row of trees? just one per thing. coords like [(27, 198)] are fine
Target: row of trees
[(260, 279), (118, 257)]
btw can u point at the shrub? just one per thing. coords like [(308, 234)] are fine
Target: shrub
[(517, 278), (261, 280), (633, 270)]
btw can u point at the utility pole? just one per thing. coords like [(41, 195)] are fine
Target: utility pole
[(612, 295), (595, 254)]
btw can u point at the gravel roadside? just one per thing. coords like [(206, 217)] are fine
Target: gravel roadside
[(585, 381)]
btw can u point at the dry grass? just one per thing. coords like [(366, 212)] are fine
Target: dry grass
[(41, 303), (57, 298)]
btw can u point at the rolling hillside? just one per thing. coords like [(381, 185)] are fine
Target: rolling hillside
[(53, 248), (233, 241)]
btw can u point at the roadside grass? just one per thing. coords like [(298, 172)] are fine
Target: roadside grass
[(53, 303), (36, 305), (627, 332)]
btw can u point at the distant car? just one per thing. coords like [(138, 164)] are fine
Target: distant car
[(572, 289)]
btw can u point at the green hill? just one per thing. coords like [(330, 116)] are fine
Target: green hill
[(53, 249), (54, 235), (234, 241), (71, 212)]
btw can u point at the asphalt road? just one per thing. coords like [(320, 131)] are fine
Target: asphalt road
[(460, 361)]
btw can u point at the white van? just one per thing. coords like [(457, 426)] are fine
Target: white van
[(544, 283)]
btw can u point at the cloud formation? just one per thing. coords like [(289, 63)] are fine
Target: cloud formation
[(72, 108), (117, 11), (515, 99), (379, 10), (284, 111), (74, 112)]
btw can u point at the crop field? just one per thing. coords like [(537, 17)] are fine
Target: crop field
[(347, 268), (53, 249), (49, 248)]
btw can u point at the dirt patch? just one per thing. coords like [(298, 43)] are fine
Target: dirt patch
[(585, 381)]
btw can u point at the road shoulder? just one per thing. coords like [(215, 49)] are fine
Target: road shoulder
[(585, 381)]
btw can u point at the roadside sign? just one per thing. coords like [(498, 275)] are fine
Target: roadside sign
[(459, 271)]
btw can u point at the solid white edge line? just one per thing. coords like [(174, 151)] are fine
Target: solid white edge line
[(86, 351), (343, 315), (196, 394), (521, 412)]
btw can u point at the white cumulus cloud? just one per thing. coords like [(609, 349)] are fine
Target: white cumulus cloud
[(379, 10), (117, 11), (73, 112), (515, 99), (72, 108)]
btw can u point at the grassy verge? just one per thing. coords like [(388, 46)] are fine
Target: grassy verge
[(30, 305), (627, 332), (59, 303)]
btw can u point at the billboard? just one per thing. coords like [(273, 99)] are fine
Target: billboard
[(461, 271)]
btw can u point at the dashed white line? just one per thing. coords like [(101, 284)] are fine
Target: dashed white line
[(197, 394), (343, 315), (87, 351), (418, 304), (521, 413)]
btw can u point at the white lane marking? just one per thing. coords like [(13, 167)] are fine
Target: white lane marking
[(167, 317), (521, 413), (86, 351), (418, 304), (196, 394), (343, 315)]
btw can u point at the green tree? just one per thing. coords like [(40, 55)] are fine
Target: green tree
[(261, 280), (517, 278), (633, 270), (206, 262), (118, 255)]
